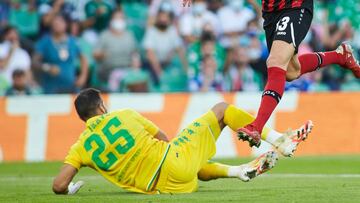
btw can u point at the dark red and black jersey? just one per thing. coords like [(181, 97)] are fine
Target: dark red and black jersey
[(278, 5)]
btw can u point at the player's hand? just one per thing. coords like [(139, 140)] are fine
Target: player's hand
[(74, 187), (54, 70)]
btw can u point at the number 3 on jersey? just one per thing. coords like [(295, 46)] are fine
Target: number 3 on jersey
[(112, 137), (283, 23)]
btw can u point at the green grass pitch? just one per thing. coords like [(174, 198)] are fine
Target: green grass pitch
[(299, 179)]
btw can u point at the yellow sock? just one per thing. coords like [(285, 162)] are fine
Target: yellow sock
[(237, 118), (213, 170)]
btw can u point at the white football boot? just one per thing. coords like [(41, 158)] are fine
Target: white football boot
[(288, 143), (260, 165)]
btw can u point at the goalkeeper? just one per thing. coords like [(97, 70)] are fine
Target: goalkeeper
[(133, 153)]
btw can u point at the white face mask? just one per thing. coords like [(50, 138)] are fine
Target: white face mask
[(237, 5), (199, 8), (118, 25)]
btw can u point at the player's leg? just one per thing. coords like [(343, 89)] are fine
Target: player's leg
[(294, 69), (283, 40), (286, 143), (309, 62), (277, 63), (189, 151), (214, 170)]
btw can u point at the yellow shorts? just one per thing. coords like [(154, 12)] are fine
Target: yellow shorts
[(193, 147)]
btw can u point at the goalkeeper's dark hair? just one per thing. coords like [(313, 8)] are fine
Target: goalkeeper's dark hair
[(87, 103)]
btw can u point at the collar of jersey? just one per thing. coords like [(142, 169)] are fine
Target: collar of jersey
[(94, 121)]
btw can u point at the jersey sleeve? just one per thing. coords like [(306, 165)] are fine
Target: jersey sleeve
[(74, 158), (148, 125)]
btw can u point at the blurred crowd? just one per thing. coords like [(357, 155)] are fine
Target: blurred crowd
[(62, 46)]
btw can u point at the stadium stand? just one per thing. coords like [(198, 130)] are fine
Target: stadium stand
[(167, 55)]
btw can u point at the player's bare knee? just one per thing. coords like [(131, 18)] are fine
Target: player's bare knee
[(219, 109), (276, 60)]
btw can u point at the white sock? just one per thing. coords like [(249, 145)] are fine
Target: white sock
[(233, 171), (273, 136)]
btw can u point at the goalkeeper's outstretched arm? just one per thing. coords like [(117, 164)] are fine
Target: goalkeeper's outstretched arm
[(62, 183)]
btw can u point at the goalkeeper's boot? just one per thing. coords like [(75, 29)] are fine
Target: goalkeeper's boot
[(288, 143), (251, 134), (348, 59), (258, 166)]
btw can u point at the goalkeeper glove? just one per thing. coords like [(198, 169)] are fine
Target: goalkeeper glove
[(74, 187)]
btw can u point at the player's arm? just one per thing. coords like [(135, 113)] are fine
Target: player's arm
[(62, 183), (73, 161)]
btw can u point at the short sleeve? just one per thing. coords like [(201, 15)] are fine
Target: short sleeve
[(4, 51), (100, 45), (40, 46), (133, 42), (176, 38), (74, 158), (26, 60), (148, 125), (148, 43), (75, 47)]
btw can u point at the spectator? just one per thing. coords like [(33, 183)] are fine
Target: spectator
[(12, 56), (19, 86), (4, 12), (243, 77), (257, 51), (49, 10), (255, 47), (165, 5), (207, 45), (136, 80), (208, 79), (85, 48), (161, 42), (233, 29), (55, 56), (192, 23), (25, 18), (98, 15), (79, 9), (115, 48), (215, 5)]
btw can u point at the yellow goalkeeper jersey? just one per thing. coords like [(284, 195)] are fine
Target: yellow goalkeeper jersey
[(121, 146)]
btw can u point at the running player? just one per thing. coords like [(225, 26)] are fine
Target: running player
[(286, 23), (133, 153)]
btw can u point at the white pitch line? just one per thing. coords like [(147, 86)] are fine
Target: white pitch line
[(287, 175), (299, 175)]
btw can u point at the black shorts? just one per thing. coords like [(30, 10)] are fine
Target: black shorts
[(288, 25)]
